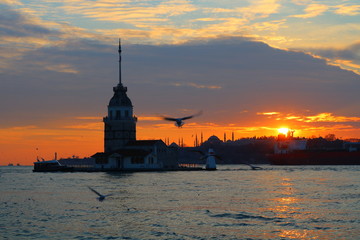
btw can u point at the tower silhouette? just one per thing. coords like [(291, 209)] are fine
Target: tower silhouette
[(120, 123)]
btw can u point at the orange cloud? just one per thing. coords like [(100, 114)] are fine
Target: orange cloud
[(321, 117), (87, 126), (262, 8), (313, 10), (195, 85), (345, 64), (22, 128), (12, 2), (268, 113), (148, 118), (269, 26), (292, 117), (256, 9), (128, 12), (65, 68), (89, 118), (348, 10), (329, 117)]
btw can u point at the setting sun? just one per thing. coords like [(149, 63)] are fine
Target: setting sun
[(283, 130)]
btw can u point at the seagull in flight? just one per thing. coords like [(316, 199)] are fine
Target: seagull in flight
[(179, 122), (253, 167), (204, 155), (101, 197)]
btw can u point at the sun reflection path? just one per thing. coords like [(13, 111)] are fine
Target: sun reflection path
[(297, 234), (285, 202), (287, 206)]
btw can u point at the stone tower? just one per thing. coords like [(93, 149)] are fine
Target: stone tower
[(120, 123)]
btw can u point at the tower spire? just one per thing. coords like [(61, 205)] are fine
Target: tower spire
[(119, 61)]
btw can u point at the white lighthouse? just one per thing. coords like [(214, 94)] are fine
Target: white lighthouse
[(120, 123), (210, 160)]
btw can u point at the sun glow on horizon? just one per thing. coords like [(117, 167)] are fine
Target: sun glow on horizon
[(283, 130)]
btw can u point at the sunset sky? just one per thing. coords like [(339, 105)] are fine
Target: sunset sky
[(251, 66)]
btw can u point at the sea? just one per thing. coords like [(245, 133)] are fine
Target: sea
[(234, 202)]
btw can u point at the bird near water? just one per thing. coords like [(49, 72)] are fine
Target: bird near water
[(179, 122), (101, 197), (253, 167), (205, 156)]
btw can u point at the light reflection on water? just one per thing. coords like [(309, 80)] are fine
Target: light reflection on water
[(318, 202)]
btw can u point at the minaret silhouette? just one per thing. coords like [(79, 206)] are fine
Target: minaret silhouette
[(120, 123)]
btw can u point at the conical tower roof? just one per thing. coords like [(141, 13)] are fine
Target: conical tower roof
[(120, 98)]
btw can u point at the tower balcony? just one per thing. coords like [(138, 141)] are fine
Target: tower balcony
[(120, 118), (120, 87)]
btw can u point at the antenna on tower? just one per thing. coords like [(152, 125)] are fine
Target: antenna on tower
[(119, 61)]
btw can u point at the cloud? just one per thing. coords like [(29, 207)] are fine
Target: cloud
[(329, 117), (240, 72), (165, 13), (138, 15), (269, 26), (301, 2), (312, 10), (64, 68), (320, 117), (268, 113), (87, 126), (164, 22), (89, 118), (347, 58), (255, 10), (149, 118), (21, 128), (347, 10), (262, 8), (16, 25), (23, 32), (75, 71), (195, 85), (11, 2)]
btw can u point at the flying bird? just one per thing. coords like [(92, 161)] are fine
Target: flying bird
[(101, 197), (252, 166), (205, 156), (179, 122)]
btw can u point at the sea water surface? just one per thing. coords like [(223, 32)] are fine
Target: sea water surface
[(234, 202)]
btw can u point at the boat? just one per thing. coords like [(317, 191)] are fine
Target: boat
[(50, 166), (291, 151)]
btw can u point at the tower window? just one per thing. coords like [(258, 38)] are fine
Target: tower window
[(110, 115), (126, 113), (118, 114)]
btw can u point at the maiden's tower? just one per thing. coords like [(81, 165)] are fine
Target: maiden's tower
[(120, 123), (121, 149)]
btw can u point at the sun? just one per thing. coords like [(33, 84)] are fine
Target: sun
[(283, 130)]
